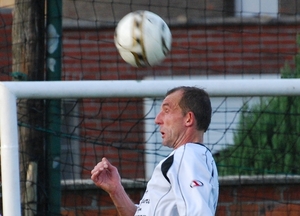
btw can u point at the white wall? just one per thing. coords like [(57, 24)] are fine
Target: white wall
[(220, 134)]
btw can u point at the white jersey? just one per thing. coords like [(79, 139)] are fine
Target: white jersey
[(183, 184)]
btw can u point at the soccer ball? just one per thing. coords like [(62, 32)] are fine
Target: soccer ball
[(142, 38)]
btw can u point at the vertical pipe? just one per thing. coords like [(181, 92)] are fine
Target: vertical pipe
[(11, 195), (53, 121)]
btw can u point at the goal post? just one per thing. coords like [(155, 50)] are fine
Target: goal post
[(148, 88), (11, 91)]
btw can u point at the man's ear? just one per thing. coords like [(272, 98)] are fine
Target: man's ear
[(190, 119)]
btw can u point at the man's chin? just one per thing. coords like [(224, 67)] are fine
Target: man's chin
[(167, 145)]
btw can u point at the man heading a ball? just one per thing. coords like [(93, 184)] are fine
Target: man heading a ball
[(184, 183)]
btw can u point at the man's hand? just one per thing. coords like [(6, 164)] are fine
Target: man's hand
[(106, 176)]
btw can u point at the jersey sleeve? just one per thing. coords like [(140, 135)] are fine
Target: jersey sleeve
[(193, 177)]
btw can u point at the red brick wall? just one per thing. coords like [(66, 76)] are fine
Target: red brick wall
[(275, 196), (264, 200), (199, 50), (5, 45), (115, 130)]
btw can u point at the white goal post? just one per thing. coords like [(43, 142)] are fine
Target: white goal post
[(11, 91)]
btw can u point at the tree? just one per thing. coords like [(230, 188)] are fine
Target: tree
[(267, 138), (28, 64)]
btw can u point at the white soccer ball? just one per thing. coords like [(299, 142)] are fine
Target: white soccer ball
[(143, 39)]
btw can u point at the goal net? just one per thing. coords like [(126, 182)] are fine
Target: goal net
[(244, 53)]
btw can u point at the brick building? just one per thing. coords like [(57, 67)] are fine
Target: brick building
[(206, 41)]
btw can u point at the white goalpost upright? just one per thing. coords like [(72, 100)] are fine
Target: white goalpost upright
[(11, 91)]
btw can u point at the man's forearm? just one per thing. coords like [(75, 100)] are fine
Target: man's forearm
[(123, 203)]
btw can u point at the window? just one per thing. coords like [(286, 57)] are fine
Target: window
[(250, 8)]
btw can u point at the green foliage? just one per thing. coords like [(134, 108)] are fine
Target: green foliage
[(267, 138)]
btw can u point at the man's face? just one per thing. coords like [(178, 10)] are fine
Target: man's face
[(171, 120)]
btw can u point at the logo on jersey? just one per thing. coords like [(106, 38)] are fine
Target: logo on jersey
[(196, 183)]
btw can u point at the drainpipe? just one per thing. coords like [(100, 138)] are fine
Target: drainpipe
[(53, 107)]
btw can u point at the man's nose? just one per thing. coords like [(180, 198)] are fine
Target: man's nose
[(157, 119)]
